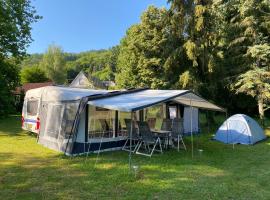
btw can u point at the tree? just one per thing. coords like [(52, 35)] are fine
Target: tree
[(33, 75), (101, 63), (194, 30), (255, 82), (16, 18), (144, 51), (53, 63), (260, 55), (31, 60), (246, 40), (246, 24), (127, 73), (9, 79), (104, 74)]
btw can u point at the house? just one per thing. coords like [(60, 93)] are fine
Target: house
[(83, 80)]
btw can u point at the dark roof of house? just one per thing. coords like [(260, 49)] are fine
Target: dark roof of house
[(28, 86)]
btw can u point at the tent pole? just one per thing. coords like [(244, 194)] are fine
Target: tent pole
[(191, 133), (130, 141)]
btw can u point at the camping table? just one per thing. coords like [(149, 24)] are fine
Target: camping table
[(163, 134)]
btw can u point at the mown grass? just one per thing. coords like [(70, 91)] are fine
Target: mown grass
[(31, 171)]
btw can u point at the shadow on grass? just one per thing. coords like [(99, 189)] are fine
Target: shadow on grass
[(10, 126), (221, 172)]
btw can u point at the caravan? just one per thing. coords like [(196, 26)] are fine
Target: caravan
[(76, 121)]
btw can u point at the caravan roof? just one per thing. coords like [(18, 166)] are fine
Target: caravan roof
[(57, 93)]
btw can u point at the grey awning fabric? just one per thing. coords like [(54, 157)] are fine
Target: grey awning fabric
[(146, 98), (137, 100), (191, 99)]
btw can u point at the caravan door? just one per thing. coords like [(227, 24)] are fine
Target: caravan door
[(30, 115)]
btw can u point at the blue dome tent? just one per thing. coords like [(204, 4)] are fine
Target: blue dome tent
[(240, 129)]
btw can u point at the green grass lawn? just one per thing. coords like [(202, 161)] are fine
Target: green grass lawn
[(31, 171)]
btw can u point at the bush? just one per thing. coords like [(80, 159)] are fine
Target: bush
[(33, 75)]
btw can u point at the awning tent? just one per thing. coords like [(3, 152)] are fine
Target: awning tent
[(63, 114), (134, 101), (142, 99)]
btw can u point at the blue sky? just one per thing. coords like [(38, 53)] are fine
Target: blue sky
[(81, 25)]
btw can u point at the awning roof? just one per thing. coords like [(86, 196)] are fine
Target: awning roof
[(146, 98), (191, 99)]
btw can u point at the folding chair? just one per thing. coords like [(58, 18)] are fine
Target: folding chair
[(166, 126), (122, 131), (135, 137), (148, 139), (105, 128), (177, 132), (151, 122)]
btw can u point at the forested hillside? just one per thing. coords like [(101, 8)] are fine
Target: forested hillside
[(99, 63)]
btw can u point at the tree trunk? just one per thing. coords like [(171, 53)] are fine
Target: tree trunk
[(261, 110)]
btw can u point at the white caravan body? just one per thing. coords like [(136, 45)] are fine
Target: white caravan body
[(30, 111)]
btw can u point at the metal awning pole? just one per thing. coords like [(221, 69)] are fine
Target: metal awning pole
[(130, 141), (227, 126), (191, 127)]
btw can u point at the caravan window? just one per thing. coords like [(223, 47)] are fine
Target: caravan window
[(32, 107)]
